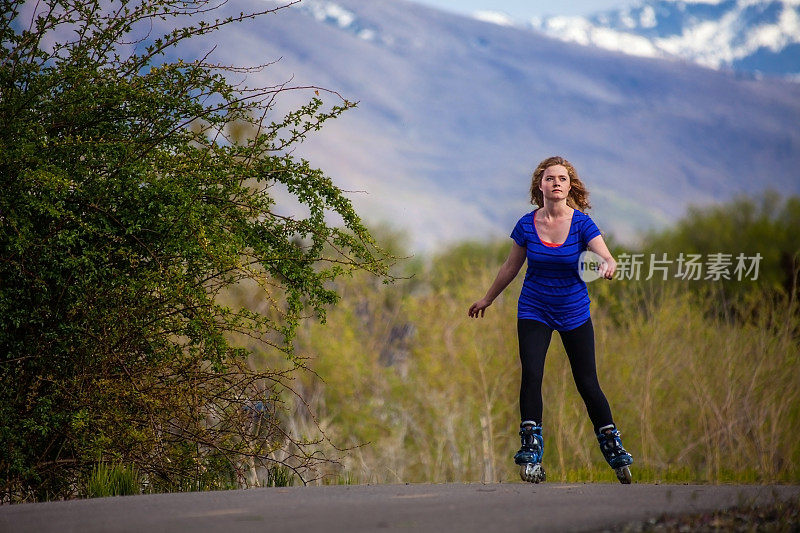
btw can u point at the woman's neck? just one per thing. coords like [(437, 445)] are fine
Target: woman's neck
[(556, 210)]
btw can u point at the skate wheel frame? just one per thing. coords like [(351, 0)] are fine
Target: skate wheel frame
[(532, 473), (623, 475)]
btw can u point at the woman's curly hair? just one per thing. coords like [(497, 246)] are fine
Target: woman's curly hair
[(578, 197)]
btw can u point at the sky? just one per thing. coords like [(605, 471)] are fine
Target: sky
[(526, 9)]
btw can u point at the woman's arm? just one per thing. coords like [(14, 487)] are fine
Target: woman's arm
[(609, 266), (508, 271)]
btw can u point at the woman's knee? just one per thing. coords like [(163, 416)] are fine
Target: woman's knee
[(589, 388)]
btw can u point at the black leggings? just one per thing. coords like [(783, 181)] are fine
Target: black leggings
[(534, 339)]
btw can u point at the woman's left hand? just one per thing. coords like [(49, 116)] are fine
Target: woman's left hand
[(608, 268)]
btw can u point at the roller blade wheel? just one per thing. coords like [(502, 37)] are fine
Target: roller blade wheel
[(623, 475), (532, 473)]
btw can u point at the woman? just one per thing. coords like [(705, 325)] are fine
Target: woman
[(554, 297)]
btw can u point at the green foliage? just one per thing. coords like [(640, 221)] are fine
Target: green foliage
[(113, 480), (765, 225), (127, 212)]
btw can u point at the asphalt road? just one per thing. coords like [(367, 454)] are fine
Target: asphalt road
[(418, 507)]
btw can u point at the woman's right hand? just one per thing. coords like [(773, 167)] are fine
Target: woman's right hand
[(477, 309), (509, 270)]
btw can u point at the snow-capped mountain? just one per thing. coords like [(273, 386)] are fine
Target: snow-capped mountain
[(753, 36), (454, 113), (340, 17)]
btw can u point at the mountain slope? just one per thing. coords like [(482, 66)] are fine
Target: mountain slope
[(454, 114)]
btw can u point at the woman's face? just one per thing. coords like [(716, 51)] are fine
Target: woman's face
[(555, 183)]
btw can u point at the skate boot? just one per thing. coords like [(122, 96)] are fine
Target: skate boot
[(529, 457), (615, 454)]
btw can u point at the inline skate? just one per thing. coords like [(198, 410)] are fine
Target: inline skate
[(616, 456), (529, 456)]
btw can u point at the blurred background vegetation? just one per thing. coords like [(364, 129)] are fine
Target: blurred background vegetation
[(701, 375)]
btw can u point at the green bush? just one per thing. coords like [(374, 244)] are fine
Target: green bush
[(129, 208)]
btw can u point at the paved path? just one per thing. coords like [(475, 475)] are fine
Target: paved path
[(418, 507)]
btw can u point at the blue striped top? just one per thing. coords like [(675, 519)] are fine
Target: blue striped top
[(553, 291)]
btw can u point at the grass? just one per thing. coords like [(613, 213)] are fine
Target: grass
[(113, 480), (279, 476), (700, 397)]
